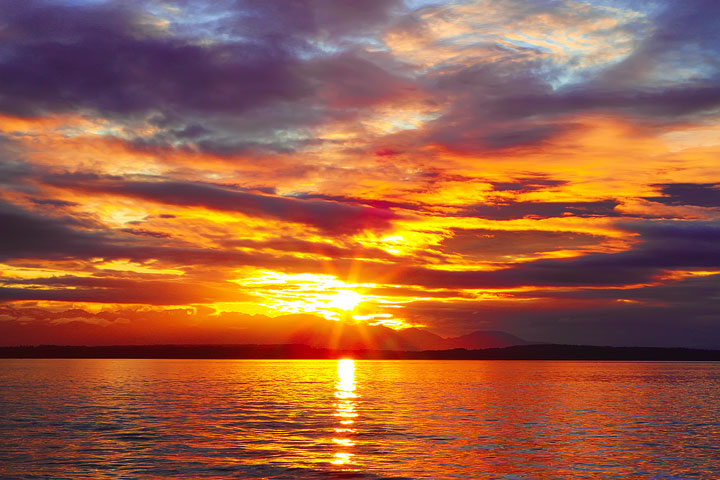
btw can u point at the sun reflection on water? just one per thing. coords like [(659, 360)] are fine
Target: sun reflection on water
[(345, 411)]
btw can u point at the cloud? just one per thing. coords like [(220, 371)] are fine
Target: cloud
[(680, 49), (660, 104), (13, 173), (505, 87), (663, 246), (513, 209), (329, 216), (30, 235), (135, 290), (319, 248), (103, 57), (696, 194), (146, 233), (223, 78), (26, 234), (499, 245), (528, 184)]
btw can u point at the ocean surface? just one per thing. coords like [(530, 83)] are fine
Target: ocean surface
[(207, 419)]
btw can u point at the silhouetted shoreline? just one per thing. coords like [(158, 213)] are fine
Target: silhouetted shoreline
[(294, 351)]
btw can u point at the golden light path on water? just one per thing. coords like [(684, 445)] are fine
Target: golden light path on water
[(345, 400), (323, 419)]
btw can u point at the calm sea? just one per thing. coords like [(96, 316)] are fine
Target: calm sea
[(148, 419)]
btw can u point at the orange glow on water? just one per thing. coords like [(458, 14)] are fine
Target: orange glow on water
[(345, 405), (409, 419)]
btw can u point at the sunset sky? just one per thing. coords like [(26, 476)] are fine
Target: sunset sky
[(545, 168)]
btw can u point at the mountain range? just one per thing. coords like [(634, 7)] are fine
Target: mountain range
[(321, 333), (70, 328)]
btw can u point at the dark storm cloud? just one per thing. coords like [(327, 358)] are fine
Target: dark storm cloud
[(329, 216), (695, 194)]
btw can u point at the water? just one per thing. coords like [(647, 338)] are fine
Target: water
[(151, 419)]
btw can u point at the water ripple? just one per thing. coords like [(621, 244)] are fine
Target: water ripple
[(215, 419)]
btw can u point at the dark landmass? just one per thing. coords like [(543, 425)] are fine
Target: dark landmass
[(240, 329), (299, 351)]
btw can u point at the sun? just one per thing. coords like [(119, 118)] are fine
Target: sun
[(346, 300)]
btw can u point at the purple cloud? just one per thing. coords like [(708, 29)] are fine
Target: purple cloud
[(329, 216)]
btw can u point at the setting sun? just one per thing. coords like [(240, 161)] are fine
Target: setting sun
[(368, 239), (346, 300)]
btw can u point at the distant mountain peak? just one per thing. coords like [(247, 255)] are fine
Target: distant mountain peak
[(484, 339)]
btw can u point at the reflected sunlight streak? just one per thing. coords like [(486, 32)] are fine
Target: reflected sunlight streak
[(345, 411)]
